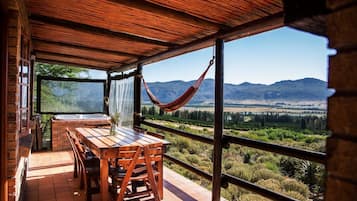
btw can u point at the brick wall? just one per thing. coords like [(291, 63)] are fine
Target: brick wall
[(13, 101), (59, 127), (342, 108)]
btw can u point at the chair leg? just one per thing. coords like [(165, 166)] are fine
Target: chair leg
[(75, 171), (89, 188), (82, 173), (151, 175)]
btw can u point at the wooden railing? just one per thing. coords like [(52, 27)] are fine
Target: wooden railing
[(318, 157)]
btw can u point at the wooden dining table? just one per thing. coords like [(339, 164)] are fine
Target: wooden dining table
[(105, 146)]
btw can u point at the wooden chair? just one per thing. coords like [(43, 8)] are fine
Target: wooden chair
[(87, 165), (138, 164)]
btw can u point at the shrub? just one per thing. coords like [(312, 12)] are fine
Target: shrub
[(193, 159), (296, 195), (252, 197), (293, 185), (241, 171), (265, 174), (271, 184)]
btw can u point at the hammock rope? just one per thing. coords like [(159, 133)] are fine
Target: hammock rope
[(184, 98)]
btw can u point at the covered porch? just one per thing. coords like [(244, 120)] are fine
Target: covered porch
[(50, 178), (121, 37)]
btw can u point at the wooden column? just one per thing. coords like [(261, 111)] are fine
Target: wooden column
[(341, 147), (3, 99), (106, 93), (137, 96), (218, 122)]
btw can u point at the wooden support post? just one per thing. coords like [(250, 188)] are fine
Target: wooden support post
[(4, 19), (137, 95), (218, 122), (106, 93)]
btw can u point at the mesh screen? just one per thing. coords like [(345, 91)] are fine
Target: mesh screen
[(71, 96)]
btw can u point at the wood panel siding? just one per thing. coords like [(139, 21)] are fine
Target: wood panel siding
[(67, 35), (85, 53), (122, 18), (228, 12), (74, 60), (140, 29), (341, 147)]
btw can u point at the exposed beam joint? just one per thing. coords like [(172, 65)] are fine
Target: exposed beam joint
[(97, 30), (89, 58), (80, 47), (248, 29), (50, 61), (171, 13)]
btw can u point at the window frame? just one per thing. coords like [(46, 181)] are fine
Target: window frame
[(38, 92)]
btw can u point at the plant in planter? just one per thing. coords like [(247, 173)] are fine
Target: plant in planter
[(114, 120)]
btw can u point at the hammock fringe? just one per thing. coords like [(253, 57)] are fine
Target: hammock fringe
[(184, 98)]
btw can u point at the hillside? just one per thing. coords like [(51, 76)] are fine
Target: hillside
[(307, 89)]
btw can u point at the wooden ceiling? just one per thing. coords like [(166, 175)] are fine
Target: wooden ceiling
[(118, 34)]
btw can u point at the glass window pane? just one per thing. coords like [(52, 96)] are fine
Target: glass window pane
[(24, 96), (24, 118), (72, 96)]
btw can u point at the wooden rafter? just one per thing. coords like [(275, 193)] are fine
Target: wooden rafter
[(171, 13), (97, 30), (50, 61), (81, 47), (254, 27), (89, 58)]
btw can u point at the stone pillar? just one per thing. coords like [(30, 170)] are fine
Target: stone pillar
[(342, 106)]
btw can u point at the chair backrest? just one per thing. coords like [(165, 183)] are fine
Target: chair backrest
[(127, 154)]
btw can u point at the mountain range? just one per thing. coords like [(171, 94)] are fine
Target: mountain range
[(307, 89)]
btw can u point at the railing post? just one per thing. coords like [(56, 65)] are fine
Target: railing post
[(137, 95), (218, 122)]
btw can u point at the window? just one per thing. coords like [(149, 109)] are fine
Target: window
[(24, 85), (70, 95)]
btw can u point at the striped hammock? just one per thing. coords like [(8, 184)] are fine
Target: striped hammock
[(184, 98)]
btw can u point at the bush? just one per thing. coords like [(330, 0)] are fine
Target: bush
[(265, 174), (252, 197), (241, 171), (293, 185), (271, 184), (296, 195)]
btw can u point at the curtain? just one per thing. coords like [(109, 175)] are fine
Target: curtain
[(121, 100)]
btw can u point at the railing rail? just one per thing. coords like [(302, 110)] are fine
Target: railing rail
[(314, 156), (255, 188), (178, 132)]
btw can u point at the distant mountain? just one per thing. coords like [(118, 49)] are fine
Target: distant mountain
[(307, 89)]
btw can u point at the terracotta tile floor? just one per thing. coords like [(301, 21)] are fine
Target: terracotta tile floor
[(50, 178)]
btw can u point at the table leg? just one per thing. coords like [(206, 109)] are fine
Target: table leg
[(104, 179), (160, 182)]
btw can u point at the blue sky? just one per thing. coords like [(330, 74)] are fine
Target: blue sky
[(281, 54)]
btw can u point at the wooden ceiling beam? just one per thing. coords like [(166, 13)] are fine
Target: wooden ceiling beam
[(97, 30), (50, 61), (248, 29), (171, 13), (89, 58), (119, 53)]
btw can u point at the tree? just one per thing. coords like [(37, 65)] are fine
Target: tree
[(55, 70)]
